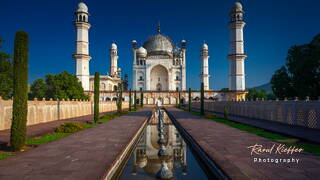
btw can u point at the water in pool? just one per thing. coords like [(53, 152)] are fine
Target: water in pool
[(178, 161)]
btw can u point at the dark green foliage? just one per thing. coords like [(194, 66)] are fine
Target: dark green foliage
[(224, 89), (135, 100), (96, 95), (58, 86), (190, 99), (254, 94), (38, 89), (6, 74), (225, 113), (130, 101), (141, 99), (301, 75), (119, 103), (20, 91), (70, 127), (64, 86), (202, 99), (281, 83)]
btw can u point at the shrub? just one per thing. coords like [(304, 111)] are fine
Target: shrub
[(202, 99), (225, 113), (211, 116), (70, 127)]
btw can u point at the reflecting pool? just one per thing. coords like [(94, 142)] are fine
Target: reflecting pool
[(175, 161)]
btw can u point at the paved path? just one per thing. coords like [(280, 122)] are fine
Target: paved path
[(295, 131), (43, 128), (228, 147), (85, 155)]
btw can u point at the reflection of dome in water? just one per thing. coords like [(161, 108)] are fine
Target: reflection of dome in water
[(142, 161), (154, 165)]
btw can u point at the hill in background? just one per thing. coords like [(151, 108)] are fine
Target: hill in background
[(266, 87)]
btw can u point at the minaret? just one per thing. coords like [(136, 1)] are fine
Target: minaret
[(113, 59), (236, 52), (183, 64), (82, 56), (205, 66)]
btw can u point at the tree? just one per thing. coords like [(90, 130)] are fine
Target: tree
[(57, 86), (190, 99), (130, 101), (119, 104), (224, 89), (20, 91), (64, 86), (254, 94), (38, 89), (202, 99), (135, 100), (141, 98), (6, 74), (301, 75), (96, 96), (281, 83)]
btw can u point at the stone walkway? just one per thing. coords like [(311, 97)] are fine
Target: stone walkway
[(88, 154), (44, 128), (228, 147), (295, 131)]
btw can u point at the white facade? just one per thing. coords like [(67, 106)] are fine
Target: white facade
[(236, 51), (159, 65), (82, 56), (109, 82), (204, 57)]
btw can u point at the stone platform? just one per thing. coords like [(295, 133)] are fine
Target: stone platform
[(88, 154), (228, 148)]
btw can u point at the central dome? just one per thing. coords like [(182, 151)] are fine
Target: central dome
[(159, 45)]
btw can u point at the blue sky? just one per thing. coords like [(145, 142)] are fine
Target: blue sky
[(272, 27)]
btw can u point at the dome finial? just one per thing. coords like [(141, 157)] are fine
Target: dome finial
[(158, 26)]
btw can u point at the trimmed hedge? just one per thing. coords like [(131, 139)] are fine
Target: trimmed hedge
[(96, 95), (70, 127), (20, 91)]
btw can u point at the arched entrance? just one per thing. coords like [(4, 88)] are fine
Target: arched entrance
[(159, 87), (159, 78)]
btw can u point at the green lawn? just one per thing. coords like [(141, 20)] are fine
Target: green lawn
[(46, 138), (290, 141), (5, 155)]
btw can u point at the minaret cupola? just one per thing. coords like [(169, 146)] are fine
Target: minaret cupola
[(236, 13), (82, 13)]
